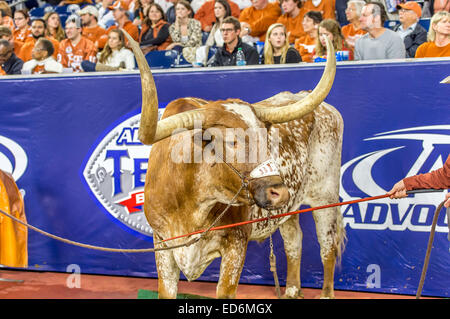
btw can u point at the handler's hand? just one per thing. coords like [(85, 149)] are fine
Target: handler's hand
[(447, 200), (398, 191)]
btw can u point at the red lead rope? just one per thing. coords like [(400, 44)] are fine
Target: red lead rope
[(279, 216)]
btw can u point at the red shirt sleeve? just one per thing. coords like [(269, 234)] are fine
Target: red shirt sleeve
[(438, 179)]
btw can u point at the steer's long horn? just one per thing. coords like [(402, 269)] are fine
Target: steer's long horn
[(149, 109), (310, 102), (150, 130)]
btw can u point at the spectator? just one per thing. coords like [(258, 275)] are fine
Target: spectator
[(221, 11), (6, 34), (54, 27), (438, 44), (42, 59), (38, 28), (353, 31), (105, 14), (277, 49), (332, 30), (292, 18), (139, 7), (6, 16), (186, 32), (226, 55), (379, 42), (114, 57), (305, 45), (325, 7), (122, 21), (255, 20), (91, 29), (206, 13), (437, 179), (22, 22), (412, 33), (155, 30), (76, 48), (9, 62)]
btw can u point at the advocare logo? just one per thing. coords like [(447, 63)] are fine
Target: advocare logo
[(375, 172), (13, 158), (115, 173)]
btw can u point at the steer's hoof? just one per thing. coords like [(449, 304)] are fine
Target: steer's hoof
[(292, 293)]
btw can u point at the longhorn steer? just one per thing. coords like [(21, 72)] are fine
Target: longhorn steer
[(185, 196)]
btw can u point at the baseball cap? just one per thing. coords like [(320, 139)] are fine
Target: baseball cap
[(117, 5), (74, 18), (88, 10), (411, 5)]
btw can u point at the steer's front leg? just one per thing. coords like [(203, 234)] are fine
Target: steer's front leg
[(292, 239), (233, 258), (168, 272)]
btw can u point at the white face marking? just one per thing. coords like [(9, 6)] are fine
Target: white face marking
[(245, 112)]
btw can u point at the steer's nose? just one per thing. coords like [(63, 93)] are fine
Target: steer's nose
[(277, 195), (269, 192)]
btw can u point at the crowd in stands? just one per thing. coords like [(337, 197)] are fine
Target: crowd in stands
[(88, 37)]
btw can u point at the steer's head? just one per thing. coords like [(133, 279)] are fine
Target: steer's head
[(226, 142)]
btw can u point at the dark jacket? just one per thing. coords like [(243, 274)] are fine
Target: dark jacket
[(170, 14), (13, 65), (225, 58), (158, 35), (414, 39)]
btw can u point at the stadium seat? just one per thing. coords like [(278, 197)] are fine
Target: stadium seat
[(37, 12), (425, 23), (161, 59), (180, 61), (63, 17)]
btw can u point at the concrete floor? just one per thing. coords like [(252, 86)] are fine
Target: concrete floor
[(52, 285)]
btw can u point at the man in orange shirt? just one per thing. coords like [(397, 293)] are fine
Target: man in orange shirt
[(255, 20), (205, 14), (306, 44), (38, 27), (91, 29), (76, 48), (352, 31), (292, 18), (6, 34), (23, 29), (122, 22)]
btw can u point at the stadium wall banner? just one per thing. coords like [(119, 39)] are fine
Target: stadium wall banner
[(71, 144)]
